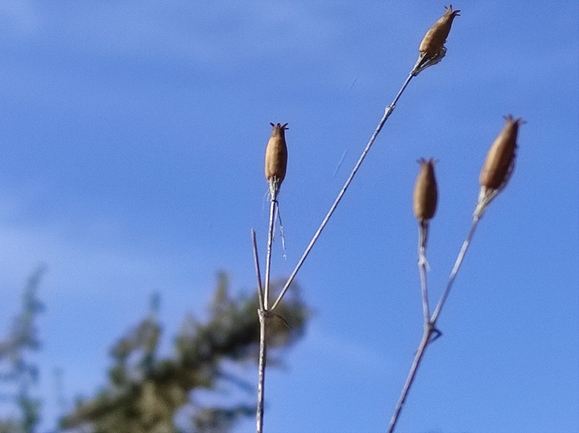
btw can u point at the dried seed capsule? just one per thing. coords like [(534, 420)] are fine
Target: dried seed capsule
[(425, 191), (276, 155), (433, 42), (500, 159)]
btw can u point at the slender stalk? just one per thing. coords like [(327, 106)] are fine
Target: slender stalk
[(261, 375), (489, 190), (257, 270), (428, 328), (262, 345), (430, 324), (422, 267), (263, 311), (272, 211), (454, 272), (411, 376), (389, 109)]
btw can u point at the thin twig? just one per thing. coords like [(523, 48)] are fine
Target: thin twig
[(262, 362), (262, 345), (263, 311), (457, 264), (430, 325), (422, 267), (272, 211), (257, 270), (428, 328), (387, 112), (281, 233), (411, 376)]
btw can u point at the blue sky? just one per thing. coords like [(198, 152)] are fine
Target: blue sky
[(132, 136)]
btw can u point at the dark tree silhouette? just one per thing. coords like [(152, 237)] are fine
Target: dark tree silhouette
[(145, 392), (18, 373)]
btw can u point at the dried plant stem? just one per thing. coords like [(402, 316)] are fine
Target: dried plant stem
[(257, 270), (486, 195), (272, 212), (430, 332), (454, 272), (262, 345), (428, 327), (261, 369), (389, 109), (264, 311), (422, 267)]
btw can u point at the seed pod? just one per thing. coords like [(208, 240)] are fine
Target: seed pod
[(276, 154), (433, 42), (425, 191), (500, 159)]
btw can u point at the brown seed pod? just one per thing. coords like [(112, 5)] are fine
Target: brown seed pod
[(276, 154), (500, 160), (433, 42), (425, 191)]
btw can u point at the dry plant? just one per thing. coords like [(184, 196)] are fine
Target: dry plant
[(494, 176)]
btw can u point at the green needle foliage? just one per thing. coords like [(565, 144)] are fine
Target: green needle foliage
[(145, 391), (18, 374)]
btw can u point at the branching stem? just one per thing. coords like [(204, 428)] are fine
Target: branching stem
[(430, 333), (387, 113), (264, 311), (262, 346)]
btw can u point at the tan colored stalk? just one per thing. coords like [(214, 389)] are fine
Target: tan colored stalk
[(424, 204), (425, 197), (494, 176), (420, 66), (262, 336), (275, 171), (499, 164), (435, 38), (276, 158), (432, 48), (275, 174)]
